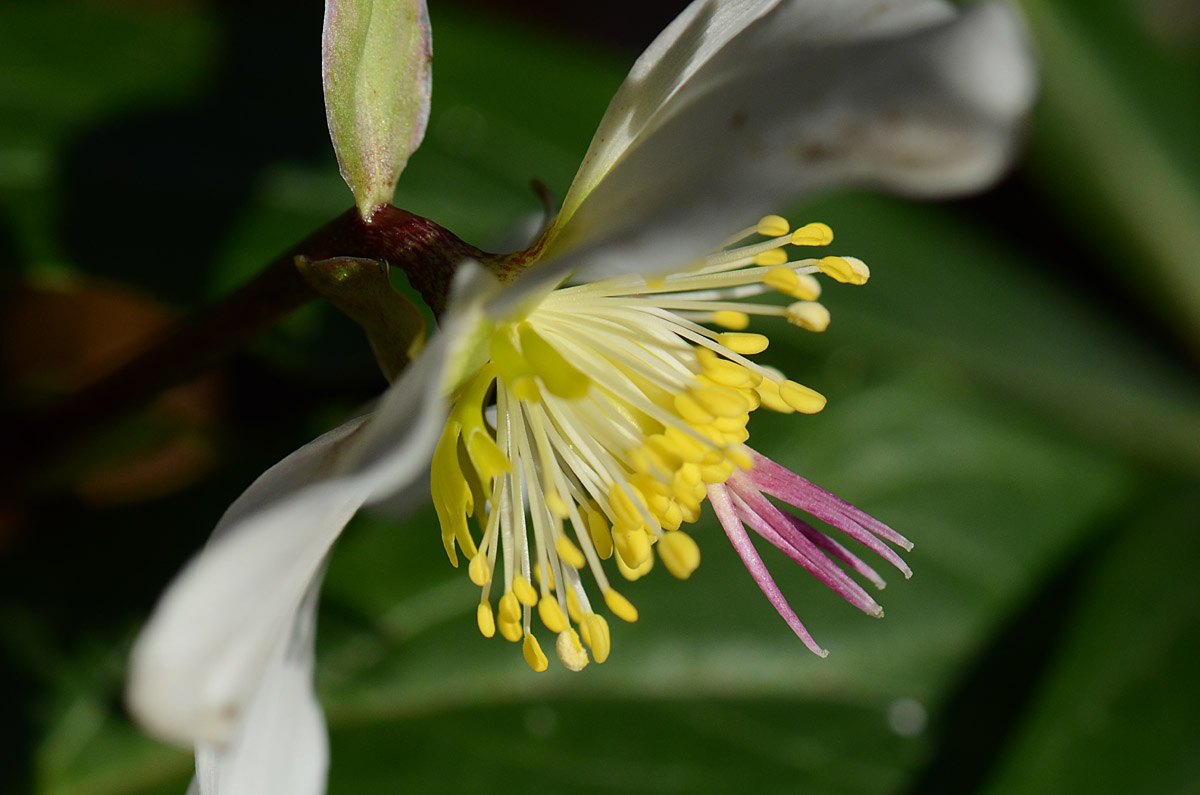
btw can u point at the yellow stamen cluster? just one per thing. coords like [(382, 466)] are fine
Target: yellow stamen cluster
[(615, 409)]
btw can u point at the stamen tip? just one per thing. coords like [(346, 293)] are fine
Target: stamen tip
[(814, 234), (773, 226)]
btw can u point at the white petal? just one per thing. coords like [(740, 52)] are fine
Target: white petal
[(672, 58), (281, 747), (809, 96), (200, 658)]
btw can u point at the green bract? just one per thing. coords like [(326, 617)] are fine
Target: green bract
[(375, 67)]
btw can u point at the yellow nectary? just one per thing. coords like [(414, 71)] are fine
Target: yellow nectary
[(615, 408)]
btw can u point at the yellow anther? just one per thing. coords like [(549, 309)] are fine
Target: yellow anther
[(847, 270), (649, 487), (624, 505), (526, 594), (731, 424), (740, 458), (782, 279), (560, 376), (716, 473), (816, 234), (556, 505), (533, 654), (510, 630), (797, 285), (451, 494), (639, 459), (665, 451), (801, 398), (837, 267), (573, 606), (861, 271), (808, 288), (671, 518), (659, 464), (542, 574), (487, 457), (679, 553), (480, 571), (721, 401), (773, 226), (594, 629), (690, 410), (570, 650), (734, 321), (632, 548), (725, 372), (601, 535), (768, 393), (775, 256), (745, 344), (635, 572), (736, 437), (485, 619), (621, 607), (808, 315), (685, 446), (551, 614), (512, 366), (569, 552), (689, 474), (510, 608)]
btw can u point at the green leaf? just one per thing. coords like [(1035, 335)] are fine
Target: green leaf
[(1114, 139), (942, 287), (1118, 710), (63, 68), (376, 58)]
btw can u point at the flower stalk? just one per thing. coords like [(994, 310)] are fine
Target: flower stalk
[(424, 251)]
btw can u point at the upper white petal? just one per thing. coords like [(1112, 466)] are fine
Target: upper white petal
[(281, 746), (809, 95), (672, 58)]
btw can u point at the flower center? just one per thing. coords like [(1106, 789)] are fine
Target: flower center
[(616, 405)]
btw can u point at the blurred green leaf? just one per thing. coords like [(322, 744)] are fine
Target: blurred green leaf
[(1114, 138), (947, 287), (63, 66), (1118, 711)]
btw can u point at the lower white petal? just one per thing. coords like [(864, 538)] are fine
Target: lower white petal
[(281, 746), (200, 658)]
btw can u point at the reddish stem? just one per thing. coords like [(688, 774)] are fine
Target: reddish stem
[(426, 253)]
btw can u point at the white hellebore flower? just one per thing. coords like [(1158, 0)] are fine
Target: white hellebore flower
[(619, 408)]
